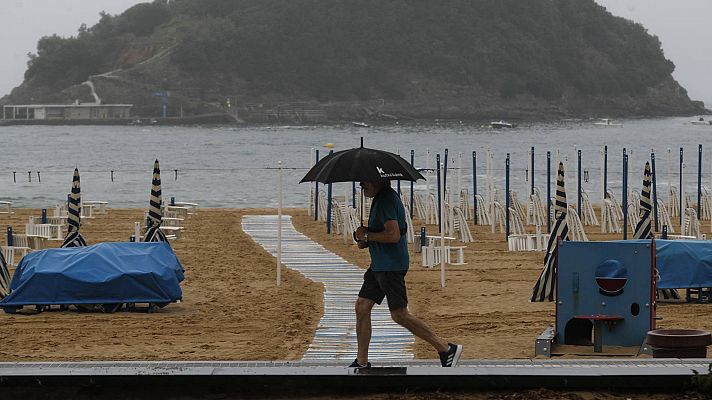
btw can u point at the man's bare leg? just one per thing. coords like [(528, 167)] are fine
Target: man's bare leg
[(418, 328), (363, 328)]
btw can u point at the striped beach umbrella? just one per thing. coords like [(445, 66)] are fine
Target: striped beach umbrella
[(153, 221), (544, 287), (642, 230), (4, 277), (74, 238)]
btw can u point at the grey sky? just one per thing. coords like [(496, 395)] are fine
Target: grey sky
[(683, 28)]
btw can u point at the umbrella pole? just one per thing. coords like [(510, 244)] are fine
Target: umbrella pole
[(279, 222)]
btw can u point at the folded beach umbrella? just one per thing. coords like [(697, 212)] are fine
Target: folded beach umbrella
[(74, 238), (4, 277), (642, 230), (153, 221), (544, 287)]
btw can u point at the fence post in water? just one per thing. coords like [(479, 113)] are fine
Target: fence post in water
[(29, 176), (578, 198), (682, 207), (532, 171), (506, 194), (655, 192), (605, 171), (279, 222), (474, 186), (625, 196), (412, 163), (316, 189), (328, 204), (445, 177), (39, 178), (548, 191), (437, 165), (699, 180)]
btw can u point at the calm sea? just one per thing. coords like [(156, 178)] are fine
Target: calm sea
[(228, 166)]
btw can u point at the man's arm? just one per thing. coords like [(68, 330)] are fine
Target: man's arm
[(390, 233)]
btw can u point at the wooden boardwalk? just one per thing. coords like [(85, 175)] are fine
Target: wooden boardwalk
[(335, 337)]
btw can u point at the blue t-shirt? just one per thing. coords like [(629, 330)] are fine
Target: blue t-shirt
[(387, 206)]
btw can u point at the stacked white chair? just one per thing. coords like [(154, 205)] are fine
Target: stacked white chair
[(483, 214), (460, 228), (691, 225), (617, 205), (589, 215), (664, 216), (465, 203), (706, 204), (633, 217), (499, 216), (576, 231), (516, 205), (536, 213), (674, 197), (609, 221)]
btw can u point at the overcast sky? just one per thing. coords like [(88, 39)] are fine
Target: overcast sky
[(683, 26)]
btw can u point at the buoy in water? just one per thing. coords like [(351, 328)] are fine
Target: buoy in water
[(329, 145)]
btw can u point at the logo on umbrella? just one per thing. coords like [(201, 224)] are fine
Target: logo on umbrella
[(388, 175)]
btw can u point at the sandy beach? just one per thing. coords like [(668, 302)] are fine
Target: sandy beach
[(232, 309)]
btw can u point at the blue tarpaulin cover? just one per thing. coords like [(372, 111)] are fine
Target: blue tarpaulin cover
[(121, 272), (684, 263)]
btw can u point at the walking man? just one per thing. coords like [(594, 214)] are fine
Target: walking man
[(388, 247)]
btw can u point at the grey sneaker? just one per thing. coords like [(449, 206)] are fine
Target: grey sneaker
[(452, 356)]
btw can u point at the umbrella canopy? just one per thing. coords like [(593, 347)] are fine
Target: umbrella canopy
[(642, 230), (361, 164), (4, 277), (74, 209), (153, 221), (544, 287)]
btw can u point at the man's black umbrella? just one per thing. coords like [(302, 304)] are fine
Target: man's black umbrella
[(361, 164)]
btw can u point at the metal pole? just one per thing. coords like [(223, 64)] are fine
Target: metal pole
[(532, 171), (548, 191), (353, 194), (578, 204), (474, 186), (605, 170), (412, 163), (316, 193), (279, 223), (655, 192), (699, 180), (506, 193), (440, 213), (682, 207), (625, 196), (445, 178), (329, 195)]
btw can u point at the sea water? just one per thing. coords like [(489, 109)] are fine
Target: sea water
[(236, 166)]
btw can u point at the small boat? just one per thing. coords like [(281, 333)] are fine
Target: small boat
[(501, 124), (607, 122), (359, 124), (701, 121)]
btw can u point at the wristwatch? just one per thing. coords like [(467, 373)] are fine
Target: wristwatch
[(365, 236)]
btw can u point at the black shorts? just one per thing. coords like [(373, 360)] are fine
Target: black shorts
[(389, 284)]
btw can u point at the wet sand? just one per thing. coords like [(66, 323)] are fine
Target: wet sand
[(232, 309)]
